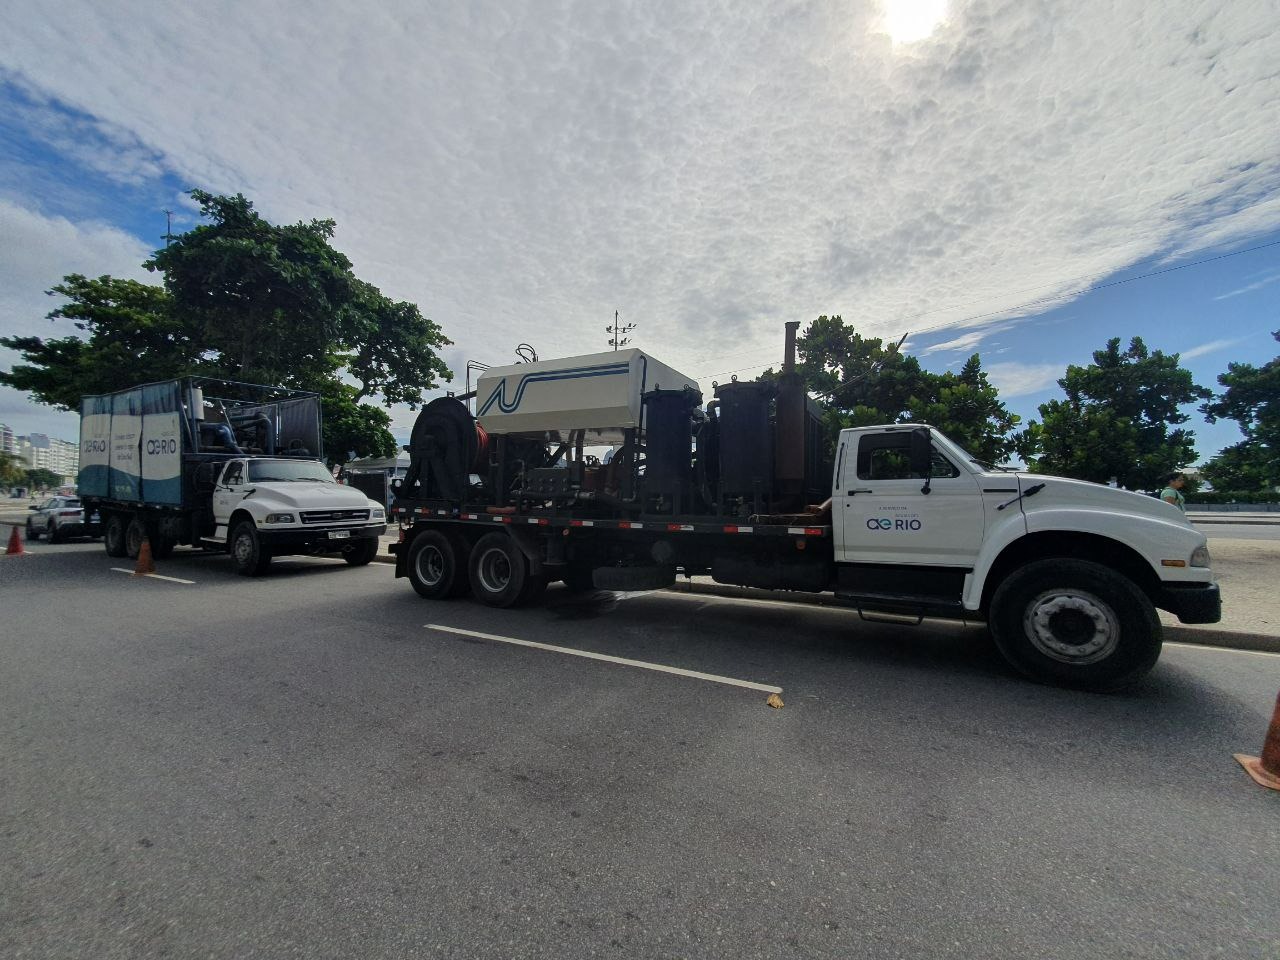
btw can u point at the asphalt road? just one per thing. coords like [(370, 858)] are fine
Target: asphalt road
[(297, 767)]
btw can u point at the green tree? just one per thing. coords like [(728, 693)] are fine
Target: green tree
[(863, 381), (966, 407), (42, 479), (1252, 400), (129, 336), (11, 472), (248, 300), (1119, 419)]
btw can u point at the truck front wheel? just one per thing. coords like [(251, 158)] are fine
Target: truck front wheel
[(113, 536), (499, 571), (251, 558), (361, 552), (1075, 623)]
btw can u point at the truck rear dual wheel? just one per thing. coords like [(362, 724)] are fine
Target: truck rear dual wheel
[(499, 573), (1075, 623), (134, 534), (437, 566), (113, 539)]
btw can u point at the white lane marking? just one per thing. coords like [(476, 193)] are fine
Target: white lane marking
[(155, 576), (1208, 646), (642, 664)]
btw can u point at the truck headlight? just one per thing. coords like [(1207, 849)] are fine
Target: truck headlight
[(1200, 557), (279, 518), (378, 514)]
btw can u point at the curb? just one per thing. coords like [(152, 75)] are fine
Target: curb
[(1196, 635)]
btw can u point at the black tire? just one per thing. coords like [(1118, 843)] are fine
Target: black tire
[(1075, 623), (434, 569), (53, 534), (113, 535), (362, 552), (32, 532), (631, 579), (497, 570), (247, 552), (134, 536)]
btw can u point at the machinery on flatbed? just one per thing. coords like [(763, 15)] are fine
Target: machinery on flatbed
[(1067, 574)]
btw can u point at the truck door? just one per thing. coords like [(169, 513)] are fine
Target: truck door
[(229, 490), (889, 512)]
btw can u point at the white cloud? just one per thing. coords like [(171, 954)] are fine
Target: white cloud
[(523, 171), (1211, 347), (1019, 379), (1249, 288)]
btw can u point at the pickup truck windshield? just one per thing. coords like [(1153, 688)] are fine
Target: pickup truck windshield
[(286, 471)]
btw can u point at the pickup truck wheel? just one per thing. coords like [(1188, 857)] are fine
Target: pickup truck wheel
[(361, 552), (251, 558), (134, 534), (434, 570), (1075, 623), (113, 536), (498, 570)]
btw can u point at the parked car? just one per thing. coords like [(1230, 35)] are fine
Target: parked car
[(59, 518)]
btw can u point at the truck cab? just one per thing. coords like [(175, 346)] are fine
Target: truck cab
[(265, 506), (1061, 569)]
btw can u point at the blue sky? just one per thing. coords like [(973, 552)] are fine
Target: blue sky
[(978, 175)]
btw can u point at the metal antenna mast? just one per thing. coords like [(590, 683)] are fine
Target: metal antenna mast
[(618, 333)]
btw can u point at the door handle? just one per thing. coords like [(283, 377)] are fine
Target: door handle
[(850, 493)]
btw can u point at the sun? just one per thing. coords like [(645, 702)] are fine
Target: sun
[(907, 21)]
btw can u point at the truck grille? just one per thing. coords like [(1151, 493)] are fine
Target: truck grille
[(334, 516)]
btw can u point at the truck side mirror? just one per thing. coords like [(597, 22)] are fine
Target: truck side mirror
[(921, 453)]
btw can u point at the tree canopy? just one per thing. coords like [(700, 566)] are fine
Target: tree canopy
[(1252, 400), (862, 381), (248, 300), (1119, 419)]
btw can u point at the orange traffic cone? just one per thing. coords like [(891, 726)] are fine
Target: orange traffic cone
[(1266, 769), (15, 543), (145, 564)]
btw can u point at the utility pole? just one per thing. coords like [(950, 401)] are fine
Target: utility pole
[(168, 227), (618, 333)]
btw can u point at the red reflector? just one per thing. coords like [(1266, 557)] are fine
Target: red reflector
[(673, 526), (575, 523), (814, 531), (543, 521), (730, 529)]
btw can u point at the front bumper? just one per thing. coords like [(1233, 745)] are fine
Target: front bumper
[(297, 538), (1192, 602)]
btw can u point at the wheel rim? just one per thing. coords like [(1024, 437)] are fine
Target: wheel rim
[(430, 565), (1072, 627), (495, 570), (243, 548)]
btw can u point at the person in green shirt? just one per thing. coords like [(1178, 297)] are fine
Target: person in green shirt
[(1172, 493)]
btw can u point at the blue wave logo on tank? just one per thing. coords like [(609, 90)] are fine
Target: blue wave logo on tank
[(499, 395)]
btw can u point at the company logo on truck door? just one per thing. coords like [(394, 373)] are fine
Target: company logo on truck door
[(499, 396)]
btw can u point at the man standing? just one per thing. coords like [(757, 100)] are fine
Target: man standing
[(1172, 493)]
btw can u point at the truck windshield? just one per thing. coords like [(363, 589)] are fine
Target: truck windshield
[(285, 471)]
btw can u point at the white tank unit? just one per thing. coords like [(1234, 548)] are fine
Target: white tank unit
[(599, 392)]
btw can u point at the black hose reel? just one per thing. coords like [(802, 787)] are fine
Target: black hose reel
[(442, 448)]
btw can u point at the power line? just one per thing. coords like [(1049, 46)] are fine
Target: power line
[(1032, 303)]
